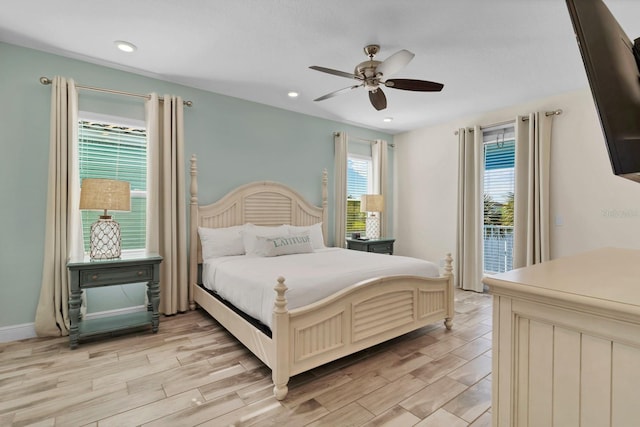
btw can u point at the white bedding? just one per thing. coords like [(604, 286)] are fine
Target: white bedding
[(247, 282)]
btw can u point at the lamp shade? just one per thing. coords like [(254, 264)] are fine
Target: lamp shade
[(371, 203), (105, 194)]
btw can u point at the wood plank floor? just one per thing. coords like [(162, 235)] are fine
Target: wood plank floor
[(193, 373)]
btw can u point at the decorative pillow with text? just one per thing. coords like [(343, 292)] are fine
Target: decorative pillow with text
[(315, 232), (288, 244), (251, 233)]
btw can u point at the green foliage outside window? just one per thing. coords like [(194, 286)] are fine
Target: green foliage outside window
[(496, 213), (356, 220)]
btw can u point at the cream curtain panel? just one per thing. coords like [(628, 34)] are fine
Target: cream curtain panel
[(340, 199), (381, 173), (63, 228), (469, 249), (531, 205), (166, 199)]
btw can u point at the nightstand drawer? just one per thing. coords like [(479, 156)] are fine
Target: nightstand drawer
[(381, 248), (102, 276)]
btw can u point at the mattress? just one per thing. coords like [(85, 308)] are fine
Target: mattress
[(247, 282)]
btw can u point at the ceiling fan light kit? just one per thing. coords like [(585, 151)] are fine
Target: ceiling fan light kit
[(372, 75)]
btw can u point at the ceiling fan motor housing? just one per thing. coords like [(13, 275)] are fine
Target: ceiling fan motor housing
[(367, 70)]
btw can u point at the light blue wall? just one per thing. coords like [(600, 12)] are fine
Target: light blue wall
[(236, 142)]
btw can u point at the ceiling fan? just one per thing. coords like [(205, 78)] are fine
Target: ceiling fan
[(372, 74)]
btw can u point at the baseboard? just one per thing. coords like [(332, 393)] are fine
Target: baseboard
[(17, 332), (28, 330)]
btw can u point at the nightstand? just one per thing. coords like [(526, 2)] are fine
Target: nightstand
[(380, 246), (130, 268)]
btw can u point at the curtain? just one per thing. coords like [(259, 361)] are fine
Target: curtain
[(63, 228), (380, 182), (166, 199), (469, 250), (340, 201), (531, 205)]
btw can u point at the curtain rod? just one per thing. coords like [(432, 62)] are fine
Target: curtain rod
[(47, 81), (524, 119), (369, 141)]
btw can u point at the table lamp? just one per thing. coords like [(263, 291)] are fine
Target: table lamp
[(105, 194), (372, 204)]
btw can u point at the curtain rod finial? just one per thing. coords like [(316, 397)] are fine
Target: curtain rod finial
[(553, 113), (45, 80)]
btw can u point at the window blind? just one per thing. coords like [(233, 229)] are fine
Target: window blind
[(116, 152), (499, 176), (358, 183)]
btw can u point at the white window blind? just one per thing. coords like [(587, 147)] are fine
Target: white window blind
[(359, 182), (116, 152), (499, 184)]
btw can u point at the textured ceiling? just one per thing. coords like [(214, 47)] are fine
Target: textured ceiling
[(489, 54)]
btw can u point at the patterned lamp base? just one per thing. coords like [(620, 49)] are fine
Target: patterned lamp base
[(373, 227), (105, 239)]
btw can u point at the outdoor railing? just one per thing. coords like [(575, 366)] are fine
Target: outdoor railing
[(498, 248)]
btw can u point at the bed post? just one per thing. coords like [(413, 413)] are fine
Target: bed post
[(193, 227), (280, 329), (325, 213), (448, 272)]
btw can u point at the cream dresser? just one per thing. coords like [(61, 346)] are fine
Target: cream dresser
[(566, 342)]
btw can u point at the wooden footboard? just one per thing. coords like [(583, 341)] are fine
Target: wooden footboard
[(356, 318), (373, 312)]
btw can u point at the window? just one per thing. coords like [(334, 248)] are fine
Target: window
[(359, 182), (499, 183), (116, 151)]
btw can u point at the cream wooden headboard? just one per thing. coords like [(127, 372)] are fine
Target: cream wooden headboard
[(260, 203)]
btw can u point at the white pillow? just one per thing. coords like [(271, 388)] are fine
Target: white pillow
[(315, 232), (251, 232), (218, 242), (287, 244)]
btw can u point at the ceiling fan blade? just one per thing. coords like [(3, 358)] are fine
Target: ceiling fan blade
[(378, 100), (411, 84), (395, 62), (336, 92), (335, 72)]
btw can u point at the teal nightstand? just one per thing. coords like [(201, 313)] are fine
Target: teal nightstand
[(380, 246), (130, 268)]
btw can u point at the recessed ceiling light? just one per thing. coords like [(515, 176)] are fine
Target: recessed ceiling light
[(387, 119), (293, 94), (125, 46)]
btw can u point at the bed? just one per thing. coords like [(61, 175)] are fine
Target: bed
[(362, 314)]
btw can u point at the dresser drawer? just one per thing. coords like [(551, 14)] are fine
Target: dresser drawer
[(102, 276)]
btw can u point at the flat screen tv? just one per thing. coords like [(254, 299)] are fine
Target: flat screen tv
[(612, 63)]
